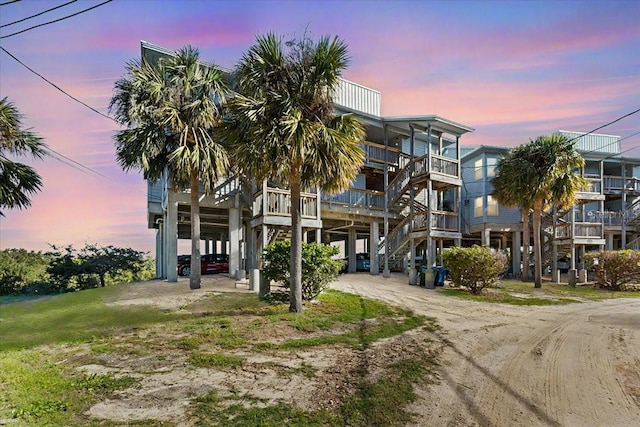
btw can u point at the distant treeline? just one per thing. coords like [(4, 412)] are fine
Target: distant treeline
[(65, 269)]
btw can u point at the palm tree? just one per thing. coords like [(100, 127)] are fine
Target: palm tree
[(171, 110), (510, 185), (283, 127), (536, 176), (17, 181)]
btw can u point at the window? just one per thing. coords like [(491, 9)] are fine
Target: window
[(477, 207), (478, 168), (492, 206), (491, 166)]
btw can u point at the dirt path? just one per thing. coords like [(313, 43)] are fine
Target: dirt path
[(571, 365)]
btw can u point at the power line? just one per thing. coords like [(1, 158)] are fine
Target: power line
[(605, 125), (85, 169), (592, 131), (55, 85), (55, 20), (9, 2), (38, 14), (55, 154)]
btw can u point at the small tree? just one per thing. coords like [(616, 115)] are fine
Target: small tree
[(474, 268), (614, 269), (318, 268), (91, 265), (20, 269)]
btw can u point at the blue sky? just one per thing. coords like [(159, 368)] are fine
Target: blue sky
[(511, 70)]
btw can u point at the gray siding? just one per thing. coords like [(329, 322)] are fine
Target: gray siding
[(594, 142), (474, 188), (357, 97)]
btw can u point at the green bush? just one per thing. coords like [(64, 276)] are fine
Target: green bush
[(474, 268), (21, 269), (614, 269), (318, 268)]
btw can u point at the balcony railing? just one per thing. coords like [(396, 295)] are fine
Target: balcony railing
[(439, 164), (582, 229), (278, 202), (357, 197), (378, 154), (445, 221), (440, 220), (595, 184), (616, 184)]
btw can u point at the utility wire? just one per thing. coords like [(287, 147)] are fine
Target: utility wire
[(592, 131), (55, 20), (9, 2), (55, 85), (604, 125), (38, 14)]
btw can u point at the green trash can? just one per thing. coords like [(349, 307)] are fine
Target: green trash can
[(422, 269)]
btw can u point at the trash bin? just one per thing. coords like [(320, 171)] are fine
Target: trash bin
[(440, 274), (422, 269)]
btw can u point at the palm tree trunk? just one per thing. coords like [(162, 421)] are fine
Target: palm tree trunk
[(195, 276), (295, 284), (526, 238), (537, 244)]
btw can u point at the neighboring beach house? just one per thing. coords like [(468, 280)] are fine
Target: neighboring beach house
[(405, 203), (605, 215), (417, 193)]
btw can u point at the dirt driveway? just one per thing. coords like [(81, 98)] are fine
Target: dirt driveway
[(570, 365)]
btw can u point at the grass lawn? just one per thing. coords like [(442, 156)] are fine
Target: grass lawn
[(45, 341), (523, 293)]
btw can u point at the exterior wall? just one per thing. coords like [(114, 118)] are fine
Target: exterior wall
[(594, 142), (357, 97), (474, 188)]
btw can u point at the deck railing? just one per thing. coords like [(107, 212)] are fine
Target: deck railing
[(357, 197), (278, 202), (377, 153), (617, 184), (595, 184), (438, 164), (582, 229), (445, 221)]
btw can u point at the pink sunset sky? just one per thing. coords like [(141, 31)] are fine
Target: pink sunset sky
[(511, 70)]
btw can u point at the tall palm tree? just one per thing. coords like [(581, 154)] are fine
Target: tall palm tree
[(283, 127), (171, 110), (18, 182), (510, 185), (536, 176)]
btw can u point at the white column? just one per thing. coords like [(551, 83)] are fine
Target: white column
[(609, 237), (486, 237), (171, 241), (374, 237), (234, 242), (351, 249), (265, 285), (516, 252), (160, 251)]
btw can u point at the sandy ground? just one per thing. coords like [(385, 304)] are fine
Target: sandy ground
[(500, 365), (571, 365)]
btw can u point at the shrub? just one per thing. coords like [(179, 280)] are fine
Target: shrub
[(614, 269), (19, 269), (474, 268), (318, 268)]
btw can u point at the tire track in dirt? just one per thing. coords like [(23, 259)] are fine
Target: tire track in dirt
[(570, 365)]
